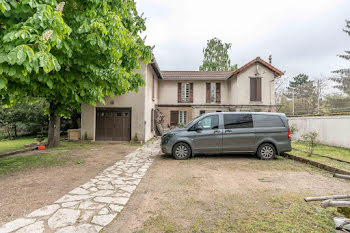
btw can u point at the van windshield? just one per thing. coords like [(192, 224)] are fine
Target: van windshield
[(189, 123)]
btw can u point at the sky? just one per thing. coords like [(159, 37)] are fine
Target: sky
[(303, 36)]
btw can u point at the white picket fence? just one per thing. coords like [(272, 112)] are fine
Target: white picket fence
[(332, 130)]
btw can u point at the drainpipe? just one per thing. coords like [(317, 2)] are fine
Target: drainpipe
[(144, 107)]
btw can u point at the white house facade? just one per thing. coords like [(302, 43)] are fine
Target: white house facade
[(180, 96)]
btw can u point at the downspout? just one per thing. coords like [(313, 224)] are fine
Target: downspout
[(144, 107)]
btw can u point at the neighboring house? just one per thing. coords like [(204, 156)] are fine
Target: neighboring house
[(180, 96)]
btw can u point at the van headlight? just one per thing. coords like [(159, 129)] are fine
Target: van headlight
[(167, 137)]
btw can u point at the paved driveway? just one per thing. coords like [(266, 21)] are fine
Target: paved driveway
[(93, 205)]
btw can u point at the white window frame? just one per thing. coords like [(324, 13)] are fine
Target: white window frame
[(182, 117), (212, 92), (185, 92)]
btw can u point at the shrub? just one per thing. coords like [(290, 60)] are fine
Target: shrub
[(293, 129), (180, 125), (310, 139), (136, 139)]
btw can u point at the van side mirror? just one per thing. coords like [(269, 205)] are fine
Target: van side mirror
[(195, 128)]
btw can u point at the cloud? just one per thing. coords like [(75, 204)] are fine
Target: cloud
[(303, 36)]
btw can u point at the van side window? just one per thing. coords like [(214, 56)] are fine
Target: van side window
[(210, 122), (261, 121), (238, 121)]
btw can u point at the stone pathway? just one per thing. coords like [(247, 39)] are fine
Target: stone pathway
[(93, 205)]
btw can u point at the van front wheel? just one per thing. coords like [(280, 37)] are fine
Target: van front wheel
[(266, 151), (181, 151)]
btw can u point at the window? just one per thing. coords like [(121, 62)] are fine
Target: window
[(185, 92), (182, 117), (238, 121), (255, 89), (201, 112), (209, 122), (153, 87), (212, 92), (261, 121)]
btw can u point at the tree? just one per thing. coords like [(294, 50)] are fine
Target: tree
[(343, 82), (216, 56), (68, 54), (305, 94), (27, 118)]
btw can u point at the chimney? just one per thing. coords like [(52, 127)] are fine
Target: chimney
[(270, 59)]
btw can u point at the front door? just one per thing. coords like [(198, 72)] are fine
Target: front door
[(113, 124), (208, 138), (238, 133)]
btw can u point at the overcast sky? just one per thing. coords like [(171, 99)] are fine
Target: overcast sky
[(303, 36)]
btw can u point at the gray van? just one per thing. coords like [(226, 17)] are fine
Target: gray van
[(263, 134)]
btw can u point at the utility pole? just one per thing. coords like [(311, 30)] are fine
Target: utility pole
[(318, 96), (293, 100)]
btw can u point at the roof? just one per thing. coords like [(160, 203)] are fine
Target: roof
[(196, 75), (261, 61), (156, 68), (215, 75)]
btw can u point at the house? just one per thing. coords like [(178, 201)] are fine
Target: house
[(180, 96)]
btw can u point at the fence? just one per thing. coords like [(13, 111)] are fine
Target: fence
[(332, 130), (319, 96)]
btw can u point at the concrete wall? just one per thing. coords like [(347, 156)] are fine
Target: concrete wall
[(332, 130), (149, 101)]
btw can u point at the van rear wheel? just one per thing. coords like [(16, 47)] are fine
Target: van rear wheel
[(266, 151), (181, 151)]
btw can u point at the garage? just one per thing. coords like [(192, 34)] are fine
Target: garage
[(113, 124)]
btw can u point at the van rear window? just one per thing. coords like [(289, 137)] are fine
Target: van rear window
[(261, 121)]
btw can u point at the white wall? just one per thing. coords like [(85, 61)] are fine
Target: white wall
[(332, 130), (240, 86), (133, 100)]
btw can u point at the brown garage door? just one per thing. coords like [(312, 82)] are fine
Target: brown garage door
[(113, 124)]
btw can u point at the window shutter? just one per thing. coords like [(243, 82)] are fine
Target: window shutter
[(258, 89), (174, 117), (179, 92), (208, 93), (252, 89), (218, 92), (191, 92)]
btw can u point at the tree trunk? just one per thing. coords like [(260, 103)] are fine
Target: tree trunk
[(323, 198), (341, 176), (15, 129), (334, 203), (54, 131)]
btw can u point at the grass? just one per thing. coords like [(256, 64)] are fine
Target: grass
[(21, 163), (331, 151), (69, 145), (16, 144), (274, 214)]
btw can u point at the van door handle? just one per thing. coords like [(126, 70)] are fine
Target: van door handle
[(217, 131), (228, 131)]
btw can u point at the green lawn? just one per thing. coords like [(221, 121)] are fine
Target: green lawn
[(20, 163), (331, 151), (17, 144)]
